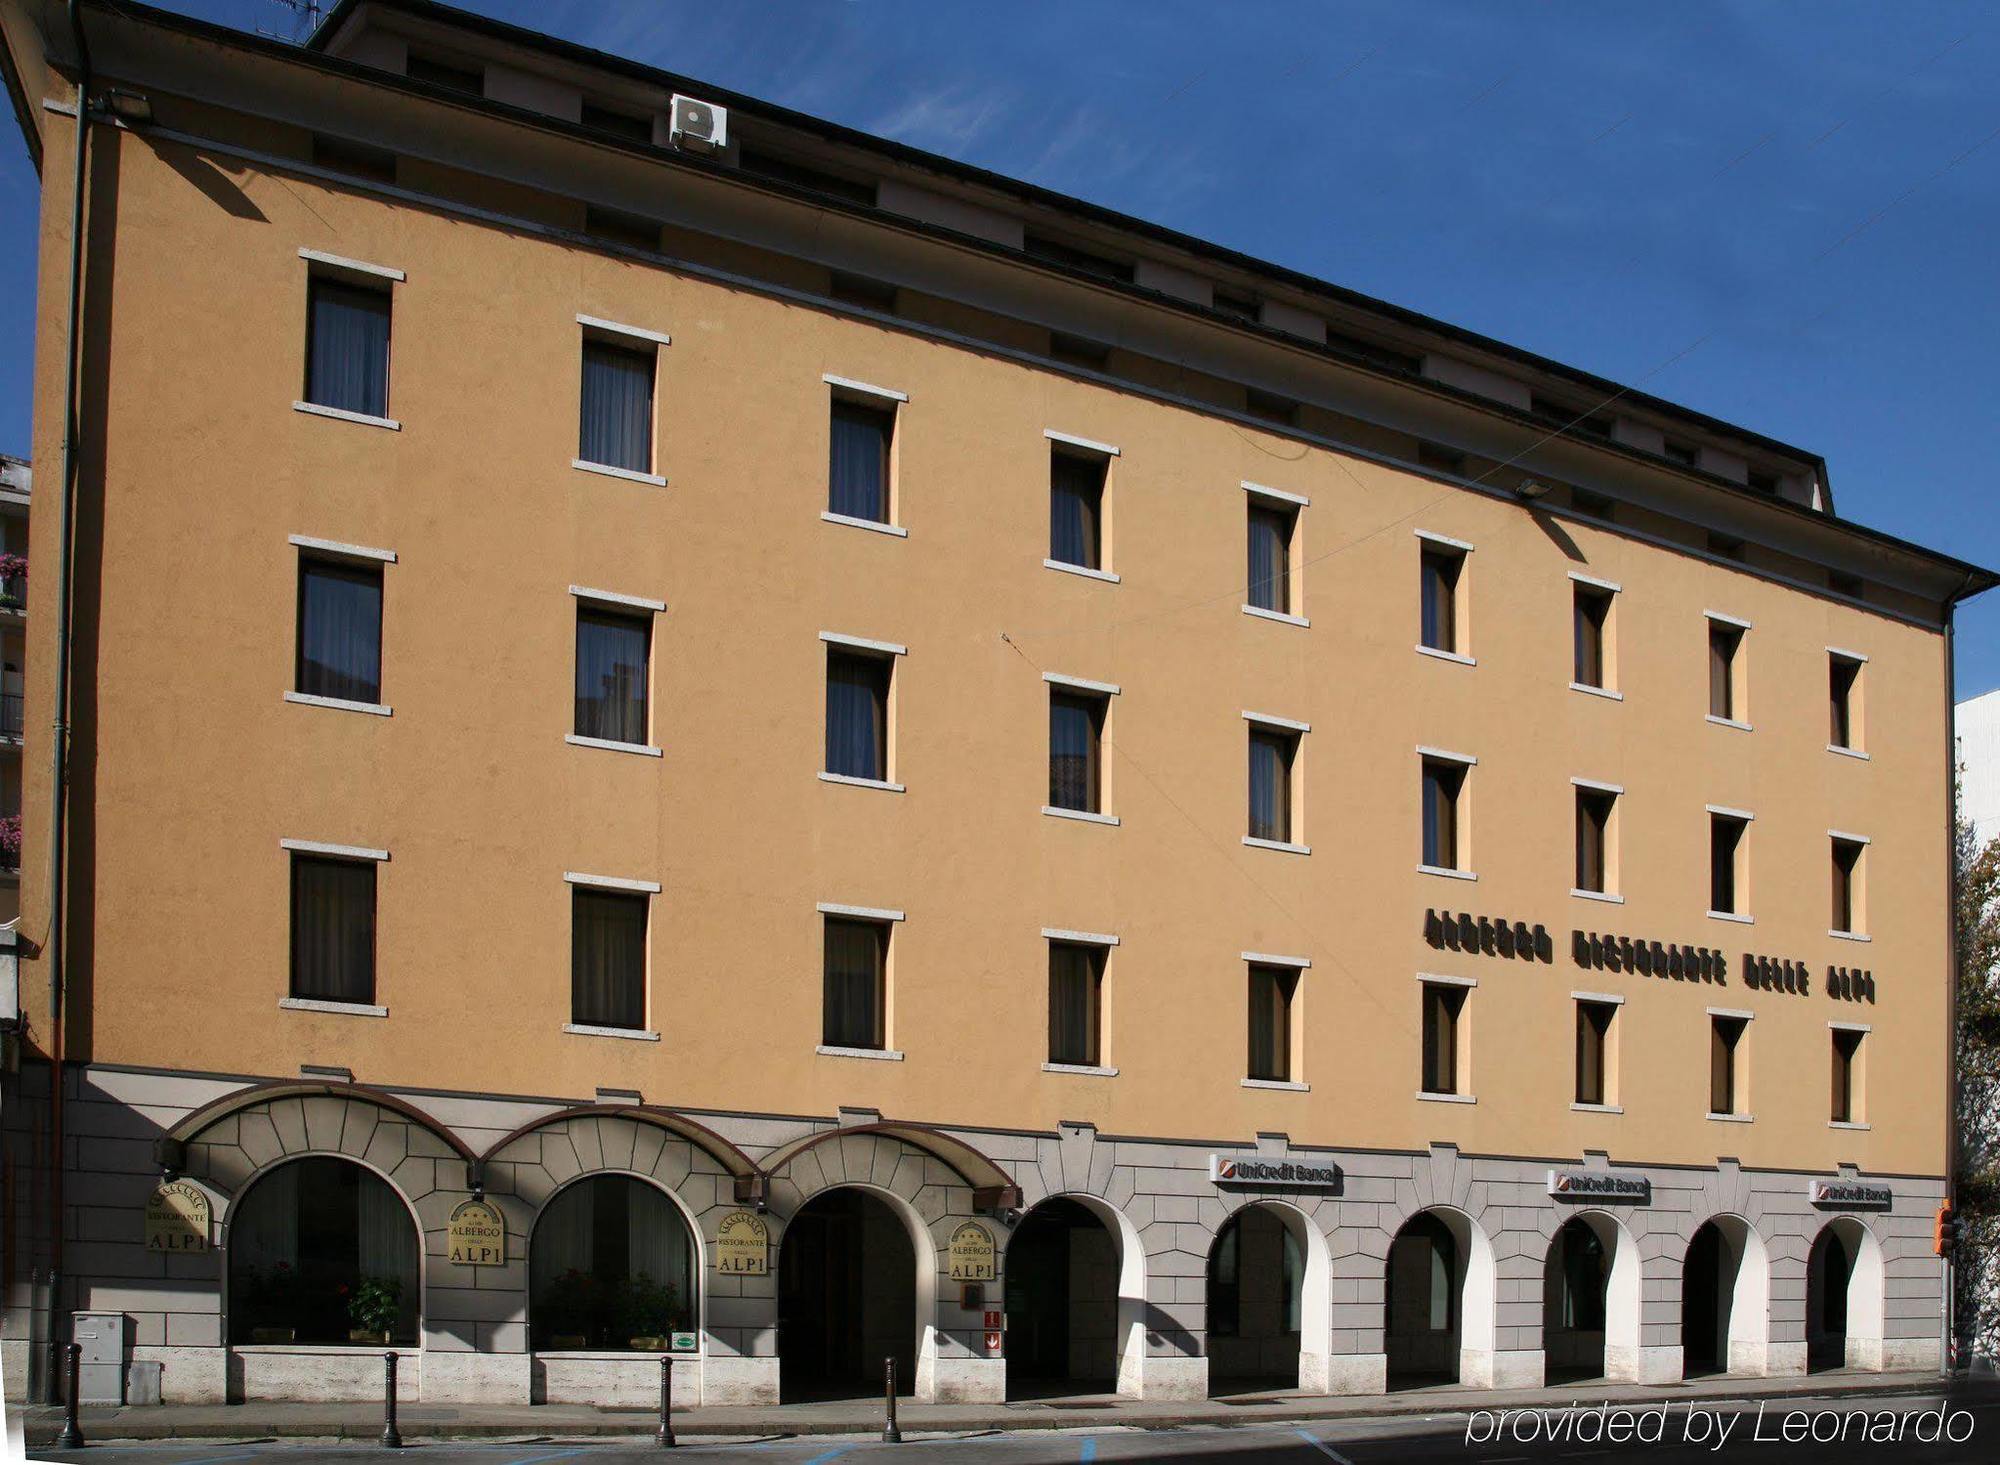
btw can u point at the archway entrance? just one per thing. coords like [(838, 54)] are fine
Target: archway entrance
[(847, 1298), (1062, 1303), (1725, 1300), (1425, 1302), (1575, 1279), (1844, 1304), (611, 1266), (322, 1250), (1256, 1286)]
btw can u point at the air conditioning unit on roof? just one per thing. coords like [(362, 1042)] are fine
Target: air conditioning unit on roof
[(699, 126)]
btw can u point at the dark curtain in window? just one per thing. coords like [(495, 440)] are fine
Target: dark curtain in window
[(1441, 1007), (1724, 1032), (347, 347), (1846, 856), (1723, 834), (1441, 785), (1845, 1045), (340, 631), (1591, 609), (333, 929), (1270, 583), (1722, 642), (858, 476), (1593, 817), (1840, 677), (302, 1239), (857, 715), (1076, 497), (854, 970), (607, 959), (1074, 976), (1270, 786), (1271, 1022), (611, 654), (617, 407), (1439, 592), (1593, 1026), (1073, 751), (611, 1265)]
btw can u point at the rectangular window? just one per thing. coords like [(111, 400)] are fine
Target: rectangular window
[(1076, 987), (856, 969), (1847, 885), (456, 75), (858, 475), (1844, 698), (612, 672), (1270, 579), (857, 713), (607, 959), (804, 175), (1070, 256), (1725, 1086), (1725, 642), (1591, 662), (1443, 1006), (1725, 863), (1593, 1050), (1076, 735), (616, 422), (628, 125), (1076, 508), (1594, 810), (340, 631), (1272, 753), (1271, 991), (1847, 1075), (1444, 783), (347, 345), (1439, 576), (333, 929)]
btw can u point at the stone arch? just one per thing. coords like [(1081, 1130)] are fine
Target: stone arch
[(1129, 1347), (1858, 1288), (1475, 1285), (1302, 1223), (1740, 1310), (1624, 1291), (680, 1209)]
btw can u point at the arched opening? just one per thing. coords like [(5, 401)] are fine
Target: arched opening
[(612, 1266), (1725, 1300), (1576, 1279), (1844, 1304), (323, 1250), (1257, 1301), (1428, 1303), (847, 1296), (1062, 1294)]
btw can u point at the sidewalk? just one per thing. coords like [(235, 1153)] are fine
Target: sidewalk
[(266, 1421)]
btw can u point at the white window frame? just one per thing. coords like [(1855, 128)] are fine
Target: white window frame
[(631, 336)]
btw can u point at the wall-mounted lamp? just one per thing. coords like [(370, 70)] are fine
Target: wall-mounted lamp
[(131, 107), (1530, 489)]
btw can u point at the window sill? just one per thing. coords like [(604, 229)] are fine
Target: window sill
[(1847, 752), (1430, 1098), (689, 1356), (873, 526), (1597, 1108), (1083, 570), (341, 414), (609, 745), (1448, 874), (1604, 692), (1086, 816), (338, 704), (1283, 1085), (853, 782), (1602, 895), (591, 1030), (1277, 844), (1081, 1070), (1283, 617), (630, 475), (1732, 916), (1442, 655), (342, 1009), (881, 1055), (1847, 1124), (1733, 1118), (1849, 936), (1730, 722)]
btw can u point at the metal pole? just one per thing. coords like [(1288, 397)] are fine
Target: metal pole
[(666, 1436), (392, 1439), (71, 1435), (890, 1434)]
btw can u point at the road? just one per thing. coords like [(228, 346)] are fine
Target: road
[(1678, 1433)]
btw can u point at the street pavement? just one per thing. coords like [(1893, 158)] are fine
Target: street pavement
[(1797, 1430)]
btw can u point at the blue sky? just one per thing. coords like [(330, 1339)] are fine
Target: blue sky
[(1810, 191)]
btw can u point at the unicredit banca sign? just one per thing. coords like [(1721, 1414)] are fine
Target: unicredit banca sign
[(1250, 1170)]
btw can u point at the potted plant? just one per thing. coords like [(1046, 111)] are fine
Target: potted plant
[(373, 1305), (647, 1313)]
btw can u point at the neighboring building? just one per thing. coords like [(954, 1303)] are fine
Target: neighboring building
[(14, 487), (853, 748), (1978, 728)]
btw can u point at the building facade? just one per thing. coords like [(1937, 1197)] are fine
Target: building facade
[(794, 754)]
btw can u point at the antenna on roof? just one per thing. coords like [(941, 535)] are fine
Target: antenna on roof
[(306, 16)]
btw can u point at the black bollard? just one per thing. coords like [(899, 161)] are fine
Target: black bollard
[(666, 1436), (392, 1438), (890, 1434), (71, 1435)]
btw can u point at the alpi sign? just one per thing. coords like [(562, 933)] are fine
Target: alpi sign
[(1272, 1174)]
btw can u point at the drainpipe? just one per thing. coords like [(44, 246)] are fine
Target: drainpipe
[(1946, 1330), (59, 742)]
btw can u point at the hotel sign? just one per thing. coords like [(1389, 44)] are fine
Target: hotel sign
[(1600, 1185), (476, 1234), (974, 1257), (1648, 958), (1487, 936), (1249, 1170), (1851, 1195), (742, 1245), (177, 1217)]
